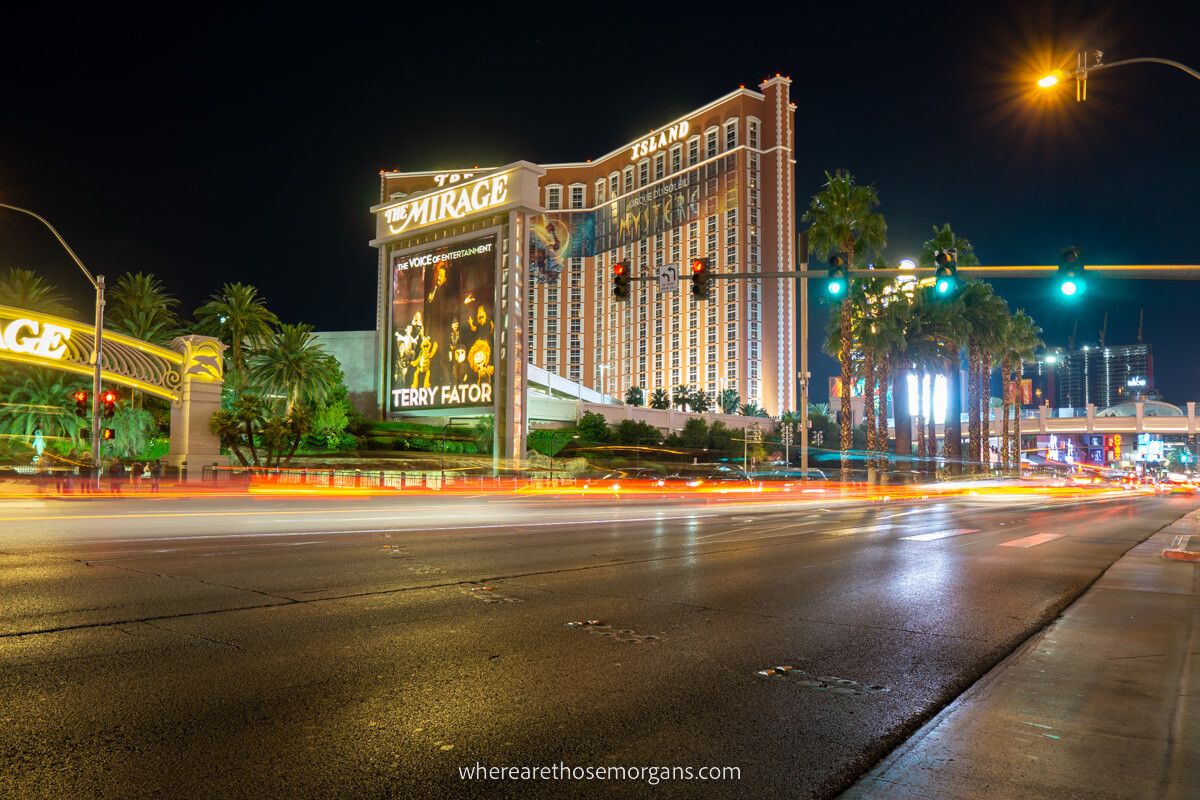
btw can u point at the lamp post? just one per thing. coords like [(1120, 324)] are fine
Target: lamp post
[(1089, 61), (97, 282)]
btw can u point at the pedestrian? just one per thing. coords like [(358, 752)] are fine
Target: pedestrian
[(135, 476), (115, 470), (156, 471)]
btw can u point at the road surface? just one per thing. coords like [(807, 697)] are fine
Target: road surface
[(375, 647)]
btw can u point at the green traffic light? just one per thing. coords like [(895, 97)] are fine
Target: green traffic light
[(943, 286), (1069, 288), (835, 286)]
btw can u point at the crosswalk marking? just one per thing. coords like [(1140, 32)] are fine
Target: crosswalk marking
[(1032, 541), (929, 537)]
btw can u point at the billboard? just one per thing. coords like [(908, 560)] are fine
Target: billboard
[(442, 327)]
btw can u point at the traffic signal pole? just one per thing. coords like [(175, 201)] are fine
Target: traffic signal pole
[(97, 355)]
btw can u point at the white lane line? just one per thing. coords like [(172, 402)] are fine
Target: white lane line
[(1032, 541), (514, 524), (929, 537), (904, 513)]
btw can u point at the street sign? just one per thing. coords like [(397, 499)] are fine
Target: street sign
[(754, 434), (785, 433), (668, 277)]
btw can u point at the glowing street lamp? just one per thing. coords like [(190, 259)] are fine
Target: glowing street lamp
[(1047, 81), (1088, 61)]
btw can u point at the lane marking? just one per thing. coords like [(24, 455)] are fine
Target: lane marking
[(1032, 541), (930, 537)]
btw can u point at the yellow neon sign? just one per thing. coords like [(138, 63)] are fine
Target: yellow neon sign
[(456, 202), (31, 337)]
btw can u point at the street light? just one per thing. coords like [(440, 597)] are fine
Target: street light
[(1089, 61), (97, 282)]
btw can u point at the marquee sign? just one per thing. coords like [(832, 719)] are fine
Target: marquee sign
[(658, 140), (455, 202), (31, 337)]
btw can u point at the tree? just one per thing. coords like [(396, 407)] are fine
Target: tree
[(700, 401), (42, 398), (752, 410), (238, 317), (484, 433), (636, 432), (293, 364), (695, 434), (659, 399), (592, 427), (634, 396), (682, 396), (728, 401), (256, 434), (984, 315), (24, 288), (1021, 343), (946, 239), (133, 429), (139, 306), (841, 218)]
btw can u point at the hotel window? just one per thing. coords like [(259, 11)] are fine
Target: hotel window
[(551, 326), (731, 328), (675, 359), (710, 142), (676, 158), (692, 376), (553, 197), (551, 342), (629, 180), (731, 254), (614, 185), (600, 185), (693, 150), (577, 196), (576, 295), (731, 134), (674, 377), (643, 172), (659, 165), (752, 133)]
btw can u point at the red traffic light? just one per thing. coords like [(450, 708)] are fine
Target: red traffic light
[(107, 434), (80, 396), (619, 268), (699, 265), (109, 397)]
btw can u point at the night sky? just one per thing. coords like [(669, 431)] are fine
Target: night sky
[(246, 146)]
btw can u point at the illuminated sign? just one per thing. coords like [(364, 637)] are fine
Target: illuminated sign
[(1136, 382), (451, 178), (448, 204), (658, 140), (442, 326), (32, 338)]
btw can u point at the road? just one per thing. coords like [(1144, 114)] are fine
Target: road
[(371, 647)]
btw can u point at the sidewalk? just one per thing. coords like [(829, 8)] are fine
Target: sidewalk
[(1104, 703)]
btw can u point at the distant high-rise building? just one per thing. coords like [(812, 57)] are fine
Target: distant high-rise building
[(1102, 376)]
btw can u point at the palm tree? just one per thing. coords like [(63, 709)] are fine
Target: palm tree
[(659, 399), (1022, 340), (294, 365), (634, 396), (946, 239), (841, 218), (25, 289), (237, 316), (753, 410), (139, 306), (700, 401), (42, 398), (984, 314), (728, 401), (682, 396)]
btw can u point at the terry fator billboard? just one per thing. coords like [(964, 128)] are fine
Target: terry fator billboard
[(442, 327)]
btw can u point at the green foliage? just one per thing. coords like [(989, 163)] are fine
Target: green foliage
[(695, 434), (682, 396), (728, 401), (139, 306), (593, 428), (292, 363), (634, 396), (721, 440), (659, 399), (133, 432), (259, 435), (636, 432), (24, 288), (946, 239), (752, 410), (550, 442), (484, 434), (238, 317), (700, 401), (42, 398)]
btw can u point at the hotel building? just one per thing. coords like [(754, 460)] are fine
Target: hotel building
[(717, 182)]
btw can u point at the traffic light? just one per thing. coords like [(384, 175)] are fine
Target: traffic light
[(108, 402), (622, 287), (81, 403), (701, 279), (107, 434), (1071, 281), (838, 284), (945, 272)]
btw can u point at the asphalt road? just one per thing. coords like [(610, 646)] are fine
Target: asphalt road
[(372, 647)]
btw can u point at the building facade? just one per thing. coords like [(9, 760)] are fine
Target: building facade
[(716, 183), (1100, 376)]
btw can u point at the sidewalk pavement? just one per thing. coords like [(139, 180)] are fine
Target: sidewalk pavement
[(1103, 703)]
